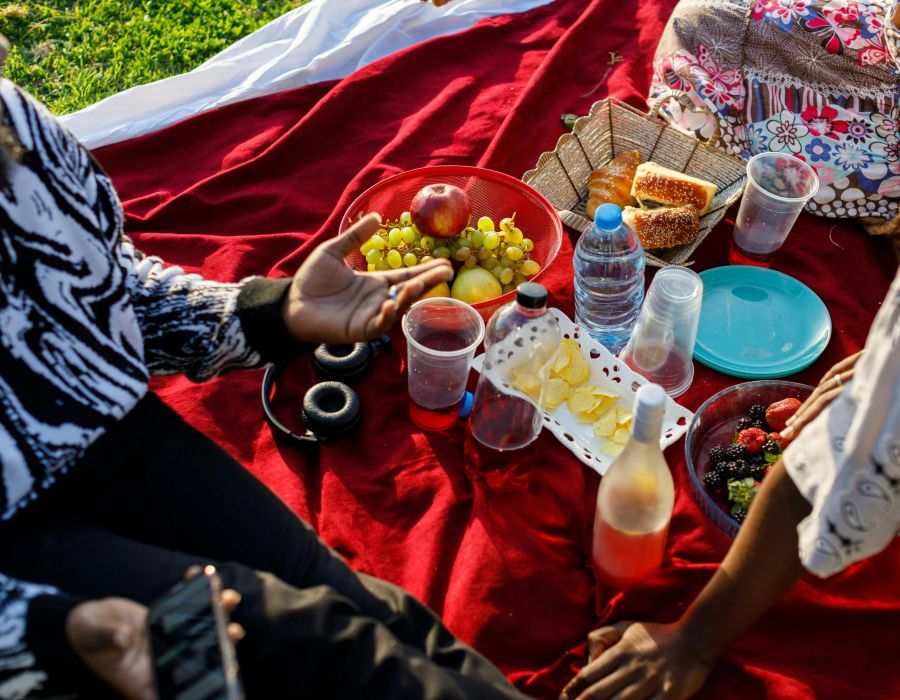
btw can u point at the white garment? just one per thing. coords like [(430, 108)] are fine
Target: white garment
[(846, 462), (321, 40)]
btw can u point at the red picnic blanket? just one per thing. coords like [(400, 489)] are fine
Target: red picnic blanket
[(253, 187)]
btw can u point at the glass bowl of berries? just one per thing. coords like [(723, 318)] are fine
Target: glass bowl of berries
[(733, 441)]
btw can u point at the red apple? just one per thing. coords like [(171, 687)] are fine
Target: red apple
[(441, 211)]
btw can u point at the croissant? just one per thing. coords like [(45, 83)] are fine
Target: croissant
[(612, 182), (653, 182), (663, 227)]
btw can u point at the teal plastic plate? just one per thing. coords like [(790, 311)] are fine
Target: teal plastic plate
[(758, 323)]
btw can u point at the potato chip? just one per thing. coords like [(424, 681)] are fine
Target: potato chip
[(605, 426), (558, 390), (560, 363), (582, 400), (572, 368), (527, 383), (579, 369), (621, 436), (605, 393), (624, 417), (606, 403)]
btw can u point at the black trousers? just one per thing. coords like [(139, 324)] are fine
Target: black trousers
[(154, 497)]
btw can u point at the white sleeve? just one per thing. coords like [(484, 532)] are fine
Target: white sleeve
[(846, 463)]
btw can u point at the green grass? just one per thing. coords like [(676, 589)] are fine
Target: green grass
[(70, 54)]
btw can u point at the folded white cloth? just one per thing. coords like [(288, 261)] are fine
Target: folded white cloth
[(321, 40)]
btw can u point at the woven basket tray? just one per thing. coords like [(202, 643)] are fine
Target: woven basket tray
[(612, 127)]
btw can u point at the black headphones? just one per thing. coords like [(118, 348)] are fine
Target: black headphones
[(330, 409)]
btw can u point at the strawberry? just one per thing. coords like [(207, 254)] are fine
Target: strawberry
[(778, 412), (775, 437), (752, 438)]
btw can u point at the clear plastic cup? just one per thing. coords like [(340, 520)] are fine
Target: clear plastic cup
[(661, 347), (441, 336), (778, 187)]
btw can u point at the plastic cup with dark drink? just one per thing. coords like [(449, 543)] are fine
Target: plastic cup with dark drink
[(778, 187), (442, 336)]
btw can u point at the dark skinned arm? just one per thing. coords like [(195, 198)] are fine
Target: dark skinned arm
[(672, 661)]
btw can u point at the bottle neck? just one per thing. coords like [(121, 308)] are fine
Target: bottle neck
[(646, 431), (530, 313)]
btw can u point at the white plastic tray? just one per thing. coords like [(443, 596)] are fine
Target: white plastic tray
[(607, 372)]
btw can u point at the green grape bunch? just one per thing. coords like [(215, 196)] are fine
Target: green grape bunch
[(502, 249)]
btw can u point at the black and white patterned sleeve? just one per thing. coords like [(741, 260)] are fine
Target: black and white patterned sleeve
[(22, 674), (201, 328)]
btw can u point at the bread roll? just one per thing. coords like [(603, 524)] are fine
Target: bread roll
[(663, 227), (612, 182), (653, 182)]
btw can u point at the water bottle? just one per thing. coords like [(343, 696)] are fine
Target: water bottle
[(609, 279), (520, 343), (635, 500)]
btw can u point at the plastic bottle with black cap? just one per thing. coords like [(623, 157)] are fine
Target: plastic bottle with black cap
[(521, 342)]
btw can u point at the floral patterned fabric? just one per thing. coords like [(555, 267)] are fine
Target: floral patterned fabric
[(819, 79)]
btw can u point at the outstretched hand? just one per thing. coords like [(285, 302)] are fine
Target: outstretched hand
[(330, 302), (639, 660)]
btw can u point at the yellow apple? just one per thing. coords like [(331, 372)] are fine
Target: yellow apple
[(475, 284), (438, 290)]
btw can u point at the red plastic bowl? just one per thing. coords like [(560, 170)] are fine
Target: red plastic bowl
[(493, 194)]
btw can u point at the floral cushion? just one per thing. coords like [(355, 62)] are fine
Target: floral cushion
[(817, 79)]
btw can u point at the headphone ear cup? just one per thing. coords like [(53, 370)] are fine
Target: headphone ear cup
[(281, 430), (330, 410), (346, 363)]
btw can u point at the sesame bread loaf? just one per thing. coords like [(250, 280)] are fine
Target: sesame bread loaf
[(664, 227), (654, 183)]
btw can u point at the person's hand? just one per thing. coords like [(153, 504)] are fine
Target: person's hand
[(330, 302), (111, 637), (639, 661), (827, 391)]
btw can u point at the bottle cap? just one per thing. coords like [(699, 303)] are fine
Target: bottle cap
[(465, 408), (531, 295), (608, 217)]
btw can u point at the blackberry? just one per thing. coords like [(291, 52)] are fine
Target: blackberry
[(739, 514), (762, 425), (733, 452), (757, 412), (714, 480), (744, 423), (772, 447), (758, 459), (736, 470), (716, 455), (758, 471)]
